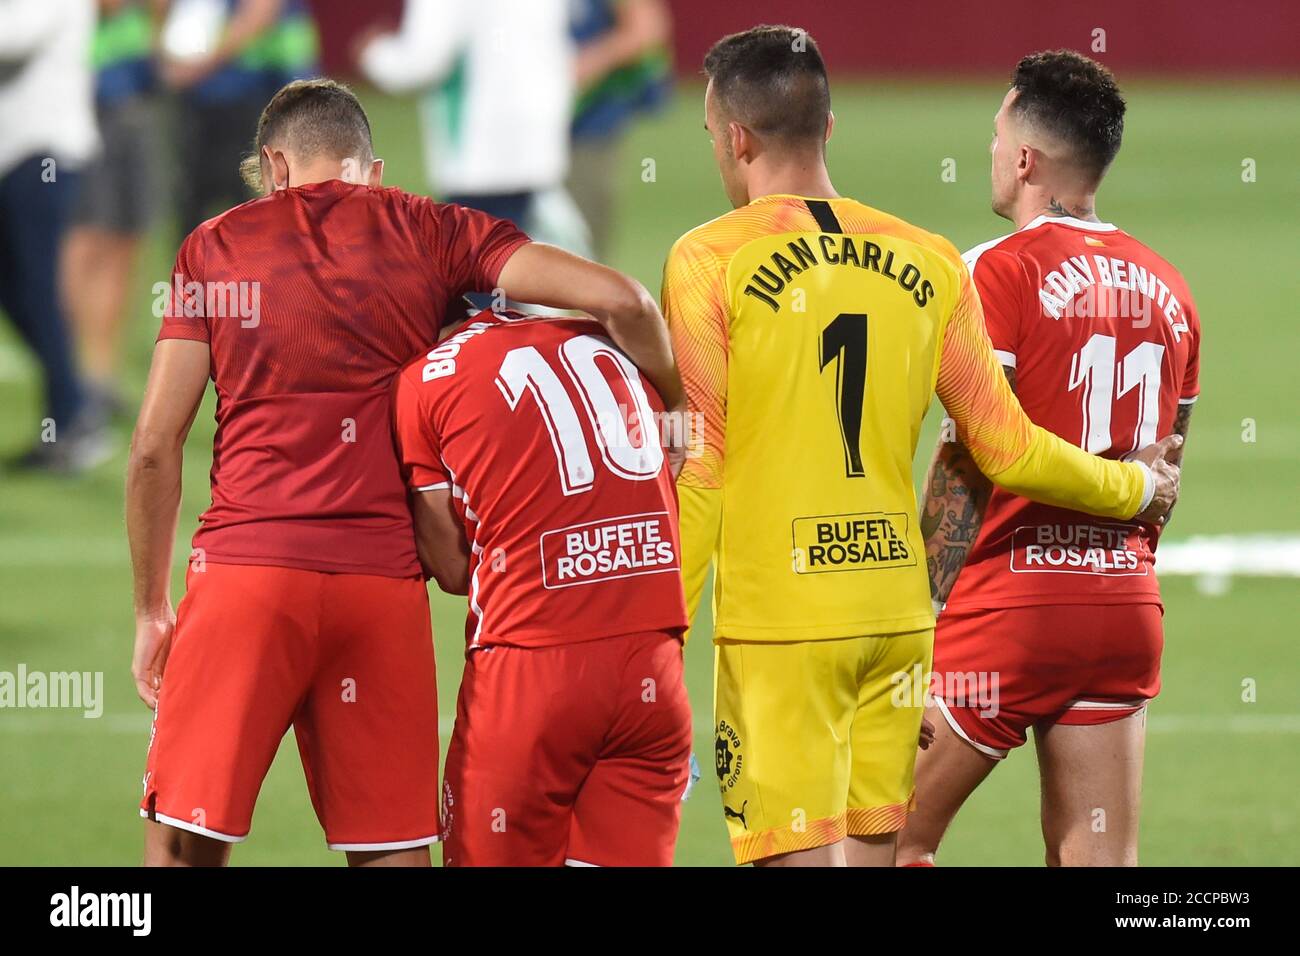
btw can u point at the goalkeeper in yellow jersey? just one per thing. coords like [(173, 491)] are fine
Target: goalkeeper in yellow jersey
[(812, 332)]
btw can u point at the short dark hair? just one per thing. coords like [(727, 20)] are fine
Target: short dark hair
[(773, 80), (1075, 99), (311, 117)]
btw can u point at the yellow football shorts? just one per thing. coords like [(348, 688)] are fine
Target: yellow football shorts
[(817, 740)]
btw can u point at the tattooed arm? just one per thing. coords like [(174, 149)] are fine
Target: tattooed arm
[(956, 493), (1182, 421)]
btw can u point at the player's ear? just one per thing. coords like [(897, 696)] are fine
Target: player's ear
[(375, 178), (1026, 161), (263, 181), (830, 126), (279, 168), (742, 142)]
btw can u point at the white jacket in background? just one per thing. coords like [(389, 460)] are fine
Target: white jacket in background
[(497, 117), (47, 91)]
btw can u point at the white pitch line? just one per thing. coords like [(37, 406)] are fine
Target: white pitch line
[(33, 724), (69, 553), (1157, 723), (1223, 724), (22, 721), (1226, 555)]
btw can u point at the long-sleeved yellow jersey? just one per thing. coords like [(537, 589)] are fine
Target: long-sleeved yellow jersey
[(812, 335)]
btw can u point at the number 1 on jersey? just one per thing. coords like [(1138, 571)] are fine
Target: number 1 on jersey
[(844, 342)]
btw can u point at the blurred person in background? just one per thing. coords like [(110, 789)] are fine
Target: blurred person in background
[(118, 198), (498, 76), (622, 68), (47, 133), (226, 58)]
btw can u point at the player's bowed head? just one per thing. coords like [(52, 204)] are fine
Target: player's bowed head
[(312, 131), (316, 131)]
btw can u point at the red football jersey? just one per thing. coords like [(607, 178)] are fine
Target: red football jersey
[(1105, 342), (311, 300), (547, 437)]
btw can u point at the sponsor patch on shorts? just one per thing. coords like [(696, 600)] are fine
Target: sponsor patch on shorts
[(606, 550), (851, 542)]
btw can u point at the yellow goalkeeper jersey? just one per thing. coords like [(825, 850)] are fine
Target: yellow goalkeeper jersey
[(811, 336)]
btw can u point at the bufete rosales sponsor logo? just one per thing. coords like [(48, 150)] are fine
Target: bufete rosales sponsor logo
[(851, 542), (604, 550), (1112, 550)]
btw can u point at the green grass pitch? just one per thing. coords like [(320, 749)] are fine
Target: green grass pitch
[(1221, 772)]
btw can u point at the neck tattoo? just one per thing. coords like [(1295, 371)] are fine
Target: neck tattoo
[(1056, 208)]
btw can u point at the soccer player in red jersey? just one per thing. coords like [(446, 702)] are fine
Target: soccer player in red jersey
[(540, 489), (1055, 619), (305, 604)]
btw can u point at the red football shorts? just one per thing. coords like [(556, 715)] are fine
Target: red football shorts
[(999, 672), (572, 754), (345, 659)]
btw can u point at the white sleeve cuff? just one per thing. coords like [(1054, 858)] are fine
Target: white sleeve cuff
[(1148, 486)]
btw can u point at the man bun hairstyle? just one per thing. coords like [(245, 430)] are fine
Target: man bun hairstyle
[(1075, 99), (312, 118), (772, 79)]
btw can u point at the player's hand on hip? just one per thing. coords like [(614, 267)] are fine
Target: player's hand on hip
[(153, 641), (1166, 474)]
